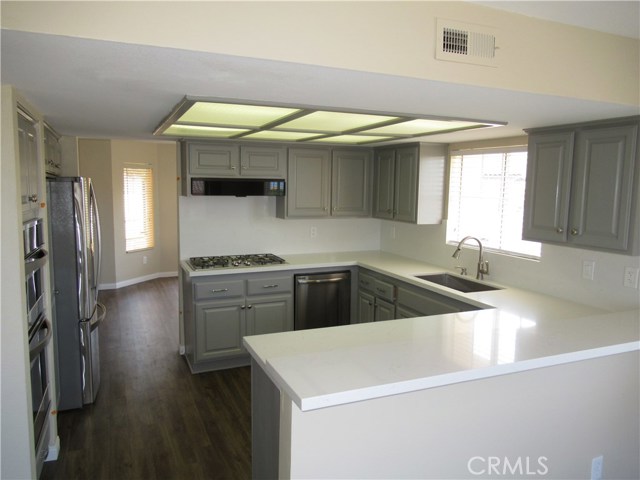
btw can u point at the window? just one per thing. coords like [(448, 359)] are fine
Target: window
[(486, 200), (138, 207)]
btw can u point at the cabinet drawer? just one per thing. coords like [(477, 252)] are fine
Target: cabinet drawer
[(384, 290), (269, 285), (366, 282), (216, 290)]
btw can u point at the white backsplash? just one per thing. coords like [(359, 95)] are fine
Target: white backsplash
[(230, 225)]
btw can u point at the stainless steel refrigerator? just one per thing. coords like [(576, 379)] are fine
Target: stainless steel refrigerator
[(74, 230)]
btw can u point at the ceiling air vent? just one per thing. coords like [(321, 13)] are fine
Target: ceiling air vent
[(466, 43)]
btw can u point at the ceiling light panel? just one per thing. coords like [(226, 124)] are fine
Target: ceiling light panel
[(250, 116), (420, 126), (201, 131), (279, 135), (333, 122), (351, 139)]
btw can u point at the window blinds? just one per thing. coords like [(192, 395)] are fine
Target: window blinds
[(486, 200), (138, 208)]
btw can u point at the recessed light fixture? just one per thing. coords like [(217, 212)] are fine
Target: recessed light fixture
[(215, 118)]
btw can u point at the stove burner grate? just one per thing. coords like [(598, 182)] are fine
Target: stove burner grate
[(234, 261)]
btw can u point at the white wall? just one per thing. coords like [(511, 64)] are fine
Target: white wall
[(230, 225), (103, 160), (567, 414), (396, 38)]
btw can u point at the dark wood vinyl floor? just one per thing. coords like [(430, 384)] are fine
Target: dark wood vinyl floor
[(152, 418)]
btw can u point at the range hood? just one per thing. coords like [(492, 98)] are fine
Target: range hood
[(237, 187)]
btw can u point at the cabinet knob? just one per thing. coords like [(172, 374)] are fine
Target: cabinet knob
[(242, 307), (249, 306), (574, 231), (559, 230), (233, 167), (33, 198)]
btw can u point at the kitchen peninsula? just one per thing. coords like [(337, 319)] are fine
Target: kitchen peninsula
[(540, 383)]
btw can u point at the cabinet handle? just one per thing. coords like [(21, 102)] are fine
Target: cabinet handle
[(560, 230), (33, 198), (219, 290), (275, 285), (574, 231)]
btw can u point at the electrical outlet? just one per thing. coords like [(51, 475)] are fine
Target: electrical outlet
[(144, 260), (313, 232), (588, 269), (631, 277), (596, 468)]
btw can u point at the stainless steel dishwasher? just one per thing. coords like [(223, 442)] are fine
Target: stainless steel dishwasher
[(322, 300)]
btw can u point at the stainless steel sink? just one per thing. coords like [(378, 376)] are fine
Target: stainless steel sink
[(457, 283)]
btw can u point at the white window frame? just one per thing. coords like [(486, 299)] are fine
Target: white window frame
[(146, 241), (531, 250)]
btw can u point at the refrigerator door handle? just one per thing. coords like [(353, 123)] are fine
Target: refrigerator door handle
[(98, 237), (83, 291), (95, 323)]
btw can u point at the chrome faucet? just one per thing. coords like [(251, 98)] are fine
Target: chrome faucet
[(483, 265)]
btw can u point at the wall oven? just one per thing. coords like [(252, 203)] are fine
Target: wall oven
[(40, 332)]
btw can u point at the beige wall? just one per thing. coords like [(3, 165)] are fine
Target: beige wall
[(105, 159), (395, 38), (568, 414)]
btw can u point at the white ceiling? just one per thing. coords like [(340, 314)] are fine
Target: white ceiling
[(91, 88)]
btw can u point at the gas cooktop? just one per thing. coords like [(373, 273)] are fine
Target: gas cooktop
[(234, 261)]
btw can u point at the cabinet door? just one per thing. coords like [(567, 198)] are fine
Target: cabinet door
[(366, 307), (214, 160), (269, 316), (263, 162), (308, 185), (406, 184), (28, 152), (601, 195), (350, 171), (546, 202), (219, 330), (383, 183), (384, 311)]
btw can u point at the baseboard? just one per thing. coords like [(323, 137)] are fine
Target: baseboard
[(133, 281), (54, 451)]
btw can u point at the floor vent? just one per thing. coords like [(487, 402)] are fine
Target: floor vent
[(465, 43)]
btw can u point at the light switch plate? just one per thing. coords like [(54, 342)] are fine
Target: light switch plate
[(588, 269), (631, 277)]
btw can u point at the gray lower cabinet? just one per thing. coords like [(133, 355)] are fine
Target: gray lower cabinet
[(225, 308), (322, 183), (376, 296), (580, 185), (383, 298), (408, 183)]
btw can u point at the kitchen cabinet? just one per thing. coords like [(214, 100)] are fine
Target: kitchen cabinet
[(376, 296), (52, 151), (29, 167), (408, 183), (327, 183), (225, 308), (580, 181), (231, 160)]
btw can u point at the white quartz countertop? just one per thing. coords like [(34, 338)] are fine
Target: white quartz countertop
[(517, 330)]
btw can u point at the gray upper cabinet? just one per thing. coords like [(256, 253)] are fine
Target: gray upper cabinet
[(229, 160), (580, 185), (263, 162), (350, 183), (408, 183), (214, 160), (308, 184), (322, 182)]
